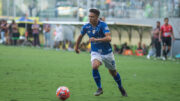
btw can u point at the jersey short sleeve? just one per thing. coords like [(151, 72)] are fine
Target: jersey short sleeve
[(83, 30), (162, 29), (171, 28), (105, 28)]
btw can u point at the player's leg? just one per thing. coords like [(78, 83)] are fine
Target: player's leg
[(117, 78), (164, 48), (95, 72), (164, 52), (169, 45), (158, 49), (109, 62), (96, 62)]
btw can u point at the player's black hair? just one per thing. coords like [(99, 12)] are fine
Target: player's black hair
[(95, 11), (158, 22), (166, 18)]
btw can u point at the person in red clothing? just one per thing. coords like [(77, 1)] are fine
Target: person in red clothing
[(166, 32)]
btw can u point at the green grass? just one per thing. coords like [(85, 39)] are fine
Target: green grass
[(34, 74)]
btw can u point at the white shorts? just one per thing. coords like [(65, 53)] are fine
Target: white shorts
[(108, 59)]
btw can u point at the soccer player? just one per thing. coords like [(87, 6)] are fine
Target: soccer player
[(166, 32), (101, 51)]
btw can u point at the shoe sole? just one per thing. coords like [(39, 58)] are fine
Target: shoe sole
[(98, 94)]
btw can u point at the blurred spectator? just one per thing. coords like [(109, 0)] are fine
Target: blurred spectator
[(69, 45), (0, 30), (116, 49), (58, 39), (151, 51), (155, 46), (30, 7), (3, 28), (139, 50), (103, 19), (15, 32), (47, 35), (108, 4), (156, 39), (124, 47), (10, 32), (125, 50), (139, 46), (144, 49), (35, 29), (167, 35), (81, 14)]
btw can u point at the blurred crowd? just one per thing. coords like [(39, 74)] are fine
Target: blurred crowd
[(142, 8), (9, 32), (77, 8), (133, 8), (124, 49), (10, 35), (129, 8)]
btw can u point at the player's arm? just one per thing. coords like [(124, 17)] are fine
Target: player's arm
[(172, 34), (107, 38), (78, 42), (160, 33)]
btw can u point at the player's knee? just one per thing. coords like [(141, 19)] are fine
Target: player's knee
[(95, 66), (113, 72)]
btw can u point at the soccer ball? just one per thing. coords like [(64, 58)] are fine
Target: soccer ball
[(63, 93)]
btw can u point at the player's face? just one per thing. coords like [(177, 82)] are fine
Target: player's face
[(93, 18), (35, 21), (166, 21), (158, 24)]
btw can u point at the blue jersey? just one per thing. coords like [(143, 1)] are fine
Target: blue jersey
[(98, 32)]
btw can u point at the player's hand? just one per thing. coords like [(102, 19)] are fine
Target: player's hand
[(92, 39), (160, 40), (77, 50), (173, 38)]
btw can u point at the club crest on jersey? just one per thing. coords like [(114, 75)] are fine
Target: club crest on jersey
[(93, 31), (89, 32)]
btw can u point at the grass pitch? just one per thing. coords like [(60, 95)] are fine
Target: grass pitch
[(34, 74)]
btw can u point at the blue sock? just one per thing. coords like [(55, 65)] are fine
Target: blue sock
[(97, 77), (117, 78)]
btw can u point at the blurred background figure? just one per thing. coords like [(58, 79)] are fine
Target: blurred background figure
[(103, 19), (131, 21), (59, 37), (124, 47), (15, 32), (155, 43), (47, 34), (167, 35), (35, 29), (3, 30), (144, 49), (116, 49), (139, 50), (10, 32)]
